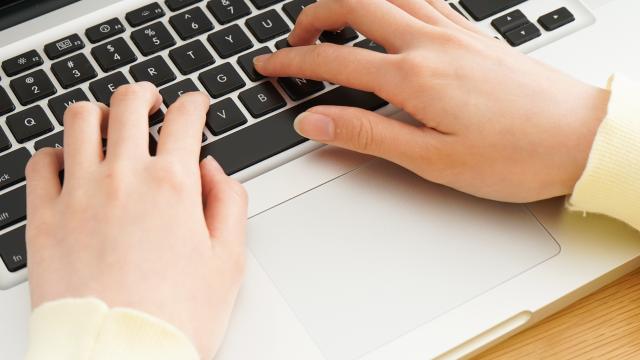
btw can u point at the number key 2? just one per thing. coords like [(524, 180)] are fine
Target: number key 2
[(32, 87)]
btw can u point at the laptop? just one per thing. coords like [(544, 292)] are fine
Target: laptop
[(350, 257)]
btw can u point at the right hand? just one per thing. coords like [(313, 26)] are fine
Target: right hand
[(494, 123)]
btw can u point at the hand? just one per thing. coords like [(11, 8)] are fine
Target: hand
[(493, 122), (163, 234)]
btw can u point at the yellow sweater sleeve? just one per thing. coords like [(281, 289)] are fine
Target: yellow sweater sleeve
[(87, 329), (610, 184)]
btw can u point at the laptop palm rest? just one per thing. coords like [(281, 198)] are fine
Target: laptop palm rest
[(378, 252)]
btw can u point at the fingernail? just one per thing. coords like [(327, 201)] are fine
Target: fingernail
[(315, 126), (259, 60)]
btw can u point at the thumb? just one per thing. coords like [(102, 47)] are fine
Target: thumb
[(362, 131)]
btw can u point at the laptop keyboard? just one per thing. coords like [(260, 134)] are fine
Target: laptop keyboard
[(182, 46)]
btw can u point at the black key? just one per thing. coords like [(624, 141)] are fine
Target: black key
[(370, 45), (32, 87), (144, 14), (261, 4), (298, 89), (104, 30), (226, 11), (510, 21), (154, 70), (6, 105), (457, 9), (55, 141), (246, 63), (294, 8), (191, 23), (275, 134), (64, 46), (113, 54), (224, 116), (267, 25), (230, 41), (12, 167), (282, 43), (156, 118), (13, 207), (556, 19), (60, 103), (341, 37), (221, 80), (4, 141), (103, 88), (191, 57), (171, 93), (262, 99), (13, 249), (73, 70), (203, 138), (482, 9), (29, 124), (522, 35), (175, 5), (152, 38), (21, 63)]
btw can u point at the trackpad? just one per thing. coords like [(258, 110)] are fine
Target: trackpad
[(378, 252)]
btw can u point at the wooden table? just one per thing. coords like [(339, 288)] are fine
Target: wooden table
[(603, 325)]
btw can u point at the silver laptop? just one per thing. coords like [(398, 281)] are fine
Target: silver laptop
[(350, 257)]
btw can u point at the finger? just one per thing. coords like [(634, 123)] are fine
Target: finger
[(181, 134), (128, 132), (83, 136), (43, 181), (225, 205), (350, 66), (446, 11), (378, 20)]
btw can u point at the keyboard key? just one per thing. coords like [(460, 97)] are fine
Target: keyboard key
[(267, 25), (203, 138), (262, 99), (145, 14), (191, 57), (510, 21), (156, 118), (275, 134), (104, 30), (175, 5), (221, 80), (64, 46), (261, 4), (224, 116), (171, 93), (341, 37), (6, 105), (556, 19), (60, 103), (226, 11), (282, 43), (246, 63), (457, 9), (12, 167), (522, 35), (154, 70), (482, 9), (230, 41), (113, 54), (32, 87), (21, 63), (294, 8), (13, 249), (55, 141), (102, 89), (73, 71), (29, 124), (152, 38), (13, 207), (370, 45), (5, 144), (191, 23), (298, 89)]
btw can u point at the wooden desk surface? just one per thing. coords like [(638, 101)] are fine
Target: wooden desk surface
[(603, 325)]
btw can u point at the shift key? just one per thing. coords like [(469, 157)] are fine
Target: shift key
[(12, 167), (13, 207)]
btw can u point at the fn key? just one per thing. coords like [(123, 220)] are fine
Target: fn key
[(13, 249)]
